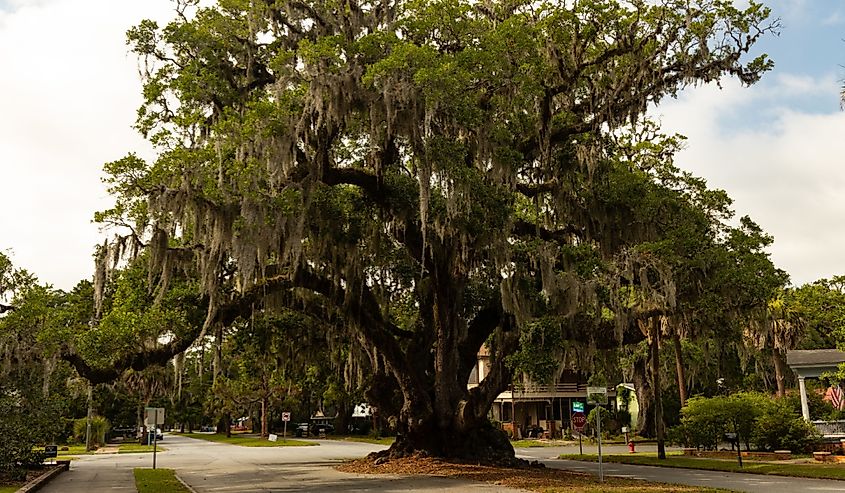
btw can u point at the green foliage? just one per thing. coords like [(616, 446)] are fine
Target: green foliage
[(779, 427), (25, 425), (33, 392), (420, 179), (99, 427), (756, 418)]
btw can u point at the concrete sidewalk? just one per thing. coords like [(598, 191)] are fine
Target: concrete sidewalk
[(107, 473)]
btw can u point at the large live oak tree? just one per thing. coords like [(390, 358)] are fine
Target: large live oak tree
[(425, 176)]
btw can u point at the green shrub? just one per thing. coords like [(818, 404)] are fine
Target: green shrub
[(99, 427), (779, 428), (24, 425), (755, 417), (702, 423)]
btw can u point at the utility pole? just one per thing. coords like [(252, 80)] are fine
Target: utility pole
[(88, 446)]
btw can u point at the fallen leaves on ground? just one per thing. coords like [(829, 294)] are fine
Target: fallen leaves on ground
[(542, 480)]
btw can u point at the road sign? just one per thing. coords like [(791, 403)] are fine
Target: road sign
[(286, 416), (597, 395), (579, 421), (154, 416), (577, 406)]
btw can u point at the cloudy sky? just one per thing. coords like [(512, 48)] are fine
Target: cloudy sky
[(69, 90)]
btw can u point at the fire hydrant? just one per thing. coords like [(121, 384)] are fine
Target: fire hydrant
[(631, 447)]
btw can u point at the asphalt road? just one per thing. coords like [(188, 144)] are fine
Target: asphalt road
[(753, 483), (215, 467)]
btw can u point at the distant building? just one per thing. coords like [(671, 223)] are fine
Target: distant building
[(526, 407)]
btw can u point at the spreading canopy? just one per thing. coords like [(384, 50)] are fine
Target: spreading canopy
[(426, 175)]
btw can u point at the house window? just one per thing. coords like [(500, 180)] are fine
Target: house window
[(507, 412)]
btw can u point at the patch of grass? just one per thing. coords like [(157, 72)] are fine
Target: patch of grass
[(10, 488), (817, 471), (528, 443), (71, 450), (158, 481), (136, 448), (249, 441), (364, 439)]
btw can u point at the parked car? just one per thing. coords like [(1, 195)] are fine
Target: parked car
[(159, 434), (314, 428), (124, 431), (301, 430), (321, 428)]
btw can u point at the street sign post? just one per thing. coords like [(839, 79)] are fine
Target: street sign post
[(598, 397), (579, 421), (154, 416), (285, 419)]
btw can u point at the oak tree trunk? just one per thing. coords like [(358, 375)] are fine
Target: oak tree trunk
[(642, 386), (780, 371)]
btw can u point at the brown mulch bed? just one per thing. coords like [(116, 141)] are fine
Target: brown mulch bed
[(542, 480), (30, 475)]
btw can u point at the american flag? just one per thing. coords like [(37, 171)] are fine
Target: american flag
[(835, 396)]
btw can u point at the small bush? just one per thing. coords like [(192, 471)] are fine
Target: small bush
[(99, 427), (758, 420), (779, 428), (24, 424)]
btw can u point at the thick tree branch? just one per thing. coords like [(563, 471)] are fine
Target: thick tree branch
[(562, 236)]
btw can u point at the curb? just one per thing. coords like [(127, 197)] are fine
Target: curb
[(39, 482), (186, 485)]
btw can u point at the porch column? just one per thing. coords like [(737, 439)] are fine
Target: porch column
[(805, 409)]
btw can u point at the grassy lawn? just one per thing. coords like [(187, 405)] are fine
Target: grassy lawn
[(10, 489), (74, 450), (134, 448), (363, 439), (248, 441), (818, 471), (158, 481), (532, 443)]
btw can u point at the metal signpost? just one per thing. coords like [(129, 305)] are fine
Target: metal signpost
[(579, 421), (154, 416), (285, 419), (598, 397)]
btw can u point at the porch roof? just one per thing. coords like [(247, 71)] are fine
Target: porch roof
[(814, 362)]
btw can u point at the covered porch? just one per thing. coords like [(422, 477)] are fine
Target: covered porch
[(815, 363)]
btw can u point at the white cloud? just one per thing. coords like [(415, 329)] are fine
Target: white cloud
[(785, 170), (70, 90)]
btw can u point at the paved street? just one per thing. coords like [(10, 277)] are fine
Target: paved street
[(753, 483), (214, 467)]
